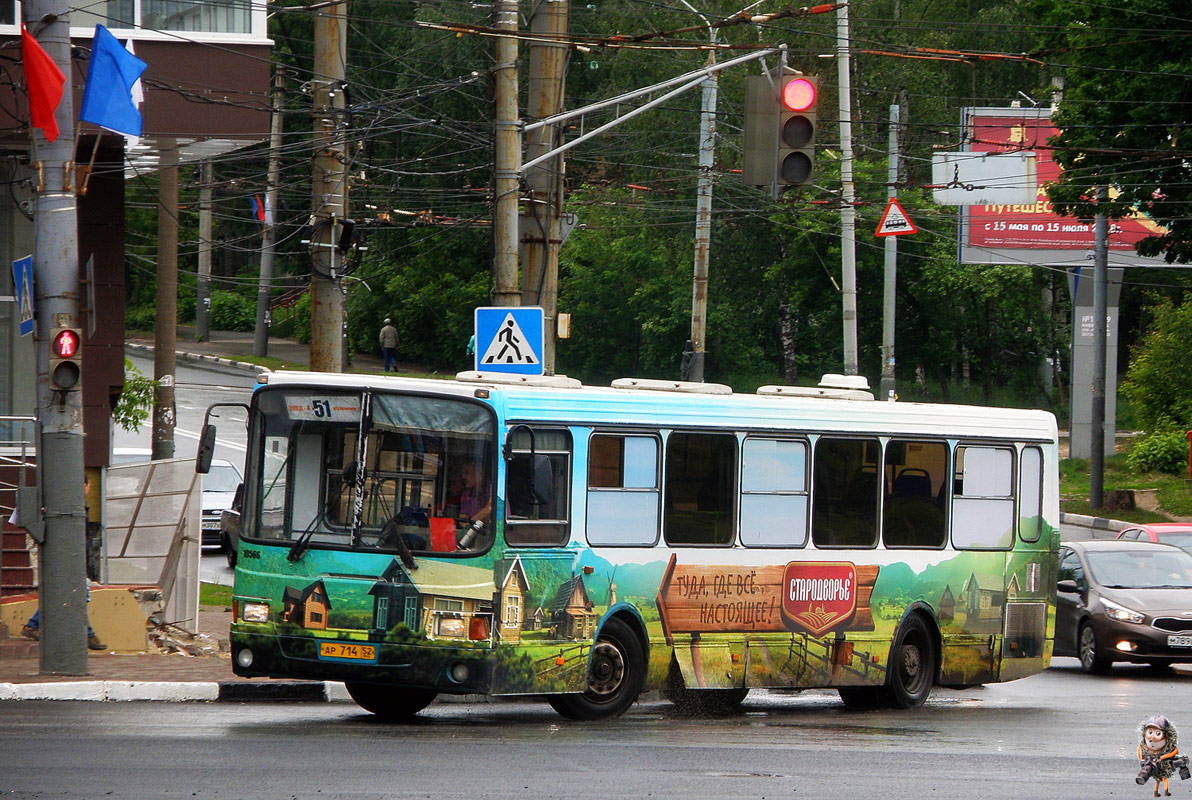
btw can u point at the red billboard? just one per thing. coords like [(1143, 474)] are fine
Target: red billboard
[(990, 230)]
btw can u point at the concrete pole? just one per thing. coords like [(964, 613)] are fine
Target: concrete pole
[(203, 293), (166, 337), (544, 182), (62, 596), (703, 222), (330, 189), (848, 211), (507, 159), (888, 386), (269, 243), (1100, 315)]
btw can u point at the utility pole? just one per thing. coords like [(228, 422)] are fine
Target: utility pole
[(544, 183), (166, 337), (507, 159), (330, 189), (62, 595), (888, 386), (269, 242), (1100, 315), (848, 211), (203, 293)]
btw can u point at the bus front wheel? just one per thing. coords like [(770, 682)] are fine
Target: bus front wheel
[(390, 702), (911, 670), (615, 675)]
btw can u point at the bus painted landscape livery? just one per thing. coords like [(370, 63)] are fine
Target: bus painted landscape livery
[(510, 535)]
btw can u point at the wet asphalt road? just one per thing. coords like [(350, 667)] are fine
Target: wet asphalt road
[(1056, 735)]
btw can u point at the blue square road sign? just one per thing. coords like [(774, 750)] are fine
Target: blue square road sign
[(509, 339)]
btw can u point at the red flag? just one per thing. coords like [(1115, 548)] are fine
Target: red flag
[(45, 81)]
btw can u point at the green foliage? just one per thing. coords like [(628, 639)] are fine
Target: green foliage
[(232, 312), (1160, 370), (301, 319), (1161, 451), (140, 318), (136, 399), (1121, 114)]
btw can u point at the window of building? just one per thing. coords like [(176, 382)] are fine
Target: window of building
[(774, 495), (916, 478), (623, 490), (846, 492), (701, 470), (512, 611), (983, 498), (538, 478), (1030, 495)]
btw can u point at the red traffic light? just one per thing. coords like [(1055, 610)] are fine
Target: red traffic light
[(798, 94), (65, 344)]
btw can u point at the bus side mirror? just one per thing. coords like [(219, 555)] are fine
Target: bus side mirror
[(238, 498), (206, 449)]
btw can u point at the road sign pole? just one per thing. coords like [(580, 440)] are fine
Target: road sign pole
[(891, 275), (62, 593)]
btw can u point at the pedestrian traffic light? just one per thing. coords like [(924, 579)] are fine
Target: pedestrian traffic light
[(65, 358), (796, 129), (780, 126)]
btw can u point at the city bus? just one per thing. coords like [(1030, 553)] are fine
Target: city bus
[(532, 536)]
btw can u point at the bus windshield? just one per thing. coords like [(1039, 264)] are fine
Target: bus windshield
[(371, 470)]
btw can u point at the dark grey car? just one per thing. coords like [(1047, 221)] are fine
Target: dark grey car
[(1123, 601)]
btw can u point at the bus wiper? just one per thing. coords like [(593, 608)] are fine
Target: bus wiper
[(302, 543)]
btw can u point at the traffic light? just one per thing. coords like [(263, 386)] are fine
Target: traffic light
[(65, 359), (779, 130), (796, 129)]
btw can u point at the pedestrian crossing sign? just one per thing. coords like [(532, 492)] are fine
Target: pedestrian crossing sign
[(22, 274), (509, 339)]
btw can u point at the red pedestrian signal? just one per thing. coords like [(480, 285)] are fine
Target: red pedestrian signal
[(65, 361)]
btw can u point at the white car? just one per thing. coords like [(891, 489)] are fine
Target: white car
[(219, 489)]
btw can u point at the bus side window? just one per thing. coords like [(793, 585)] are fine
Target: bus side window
[(622, 490), (537, 501), (774, 495), (1030, 495), (701, 470), (983, 507), (845, 502), (916, 472)]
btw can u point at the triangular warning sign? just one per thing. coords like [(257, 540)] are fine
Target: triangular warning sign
[(895, 222), (509, 345)]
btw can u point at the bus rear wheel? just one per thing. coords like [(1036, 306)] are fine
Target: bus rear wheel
[(911, 671), (390, 702), (615, 676)]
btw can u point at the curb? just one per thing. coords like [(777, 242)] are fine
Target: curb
[(176, 692), (1096, 523), (202, 358)]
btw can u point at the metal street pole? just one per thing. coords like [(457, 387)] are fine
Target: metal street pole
[(203, 293), (329, 187), (507, 159), (541, 233), (62, 594), (1100, 314), (269, 242), (848, 211), (166, 335), (888, 386)]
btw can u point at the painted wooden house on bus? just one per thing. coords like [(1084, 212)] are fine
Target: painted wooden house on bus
[(307, 607), (571, 612)]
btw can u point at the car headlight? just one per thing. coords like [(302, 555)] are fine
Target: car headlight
[(1121, 613), (255, 612)]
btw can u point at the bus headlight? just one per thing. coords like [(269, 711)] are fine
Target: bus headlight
[(256, 612), (1121, 613)]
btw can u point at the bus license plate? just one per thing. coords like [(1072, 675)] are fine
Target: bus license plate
[(1179, 641), (347, 651)]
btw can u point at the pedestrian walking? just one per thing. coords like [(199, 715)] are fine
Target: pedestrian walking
[(389, 345)]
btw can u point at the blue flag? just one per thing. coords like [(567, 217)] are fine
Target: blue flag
[(111, 73)]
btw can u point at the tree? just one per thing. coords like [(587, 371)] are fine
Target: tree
[(1160, 370), (136, 398), (1124, 114)]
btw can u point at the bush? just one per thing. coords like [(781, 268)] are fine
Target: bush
[(141, 318), (301, 320), (232, 312), (1161, 451)]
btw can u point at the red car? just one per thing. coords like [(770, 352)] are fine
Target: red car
[(1177, 533)]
